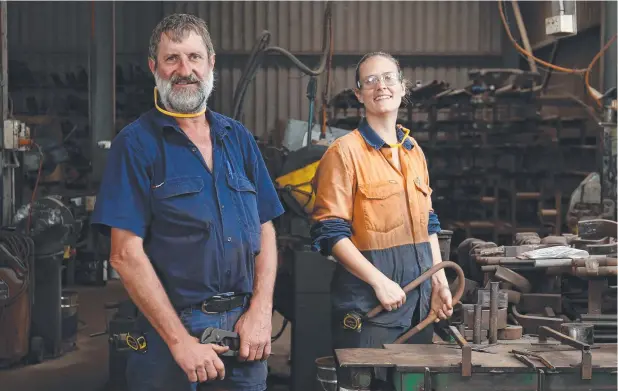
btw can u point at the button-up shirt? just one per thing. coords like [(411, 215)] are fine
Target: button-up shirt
[(385, 211), (201, 228)]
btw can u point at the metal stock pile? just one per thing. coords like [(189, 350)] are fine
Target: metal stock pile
[(502, 157), (567, 283)]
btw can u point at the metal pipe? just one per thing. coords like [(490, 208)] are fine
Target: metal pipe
[(545, 263), (594, 262), (524, 34), (414, 284), (493, 312), (602, 271)]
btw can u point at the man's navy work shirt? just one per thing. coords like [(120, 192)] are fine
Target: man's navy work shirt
[(201, 229)]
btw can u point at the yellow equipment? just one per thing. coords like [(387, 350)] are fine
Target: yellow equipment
[(298, 184)]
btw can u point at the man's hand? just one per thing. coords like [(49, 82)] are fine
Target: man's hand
[(199, 361), (254, 328), (441, 301)]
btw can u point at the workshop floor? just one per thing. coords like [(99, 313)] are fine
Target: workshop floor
[(86, 369)]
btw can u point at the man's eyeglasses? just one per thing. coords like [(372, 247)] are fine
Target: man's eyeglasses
[(389, 79)]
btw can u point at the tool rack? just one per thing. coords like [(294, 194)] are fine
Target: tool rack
[(502, 158)]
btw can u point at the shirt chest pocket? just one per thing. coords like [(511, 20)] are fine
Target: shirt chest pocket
[(423, 194), (382, 204), (245, 198), (178, 207)]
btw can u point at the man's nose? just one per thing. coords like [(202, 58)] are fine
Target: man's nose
[(184, 67)]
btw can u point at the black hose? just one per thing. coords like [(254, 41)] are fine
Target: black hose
[(280, 333), (261, 48), (255, 59)]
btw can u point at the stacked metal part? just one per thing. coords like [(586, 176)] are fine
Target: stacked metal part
[(567, 283)]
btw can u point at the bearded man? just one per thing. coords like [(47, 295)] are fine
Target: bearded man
[(188, 203)]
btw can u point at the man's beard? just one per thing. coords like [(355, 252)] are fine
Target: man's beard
[(185, 100)]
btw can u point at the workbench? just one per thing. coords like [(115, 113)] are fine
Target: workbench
[(438, 367)]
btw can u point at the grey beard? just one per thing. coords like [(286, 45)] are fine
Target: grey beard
[(185, 102)]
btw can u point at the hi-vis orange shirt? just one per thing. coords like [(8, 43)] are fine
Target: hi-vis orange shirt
[(386, 212)]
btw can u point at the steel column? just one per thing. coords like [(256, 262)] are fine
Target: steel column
[(7, 186), (609, 58), (609, 115), (102, 83)]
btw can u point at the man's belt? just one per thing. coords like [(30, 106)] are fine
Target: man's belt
[(222, 303)]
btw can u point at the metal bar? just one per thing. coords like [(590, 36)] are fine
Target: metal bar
[(542, 359), (524, 34), (531, 324), (598, 262), (595, 296), (8, 173), (541, 380), (478, 313), (552, 58), (545, 332), (427, 379), (466, 352), (601, 271), (103, 84), (586, 363), (493, 312), (599, 317)]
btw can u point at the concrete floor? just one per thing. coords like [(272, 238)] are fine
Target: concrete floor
[(86, 368)]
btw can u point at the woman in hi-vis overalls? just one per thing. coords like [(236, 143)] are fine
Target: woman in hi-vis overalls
[(373, 214)]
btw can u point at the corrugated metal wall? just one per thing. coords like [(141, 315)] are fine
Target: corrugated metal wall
[(436, 40), (399, 27)]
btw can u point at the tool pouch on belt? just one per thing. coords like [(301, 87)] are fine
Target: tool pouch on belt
[(352, 321), (134, 341)]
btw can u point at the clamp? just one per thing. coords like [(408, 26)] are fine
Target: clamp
[(222, 338)]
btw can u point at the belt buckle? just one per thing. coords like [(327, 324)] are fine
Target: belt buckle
[(220, 296), (204, 303)]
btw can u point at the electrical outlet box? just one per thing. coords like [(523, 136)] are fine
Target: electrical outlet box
[(14, 131), (561, 25)]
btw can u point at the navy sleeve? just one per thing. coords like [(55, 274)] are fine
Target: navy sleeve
[(123, 198), (326, 233), (434, 224), (269, 204)]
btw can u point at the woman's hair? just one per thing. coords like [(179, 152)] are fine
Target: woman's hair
[(367, 56)]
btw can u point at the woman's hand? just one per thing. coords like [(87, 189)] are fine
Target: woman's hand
[(389, 293), (441, 301)]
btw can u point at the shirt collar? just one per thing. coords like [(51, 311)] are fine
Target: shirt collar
[(373, 139), (218, 123)]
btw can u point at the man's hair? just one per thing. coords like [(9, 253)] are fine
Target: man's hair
[(177, 26)]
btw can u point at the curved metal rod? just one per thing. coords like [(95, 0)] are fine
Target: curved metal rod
[(413, 285)]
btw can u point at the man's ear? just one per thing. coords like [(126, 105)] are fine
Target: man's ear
[(152, 64)]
